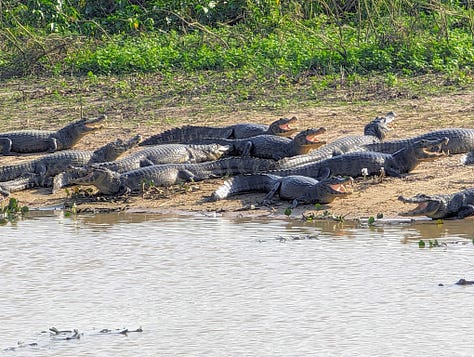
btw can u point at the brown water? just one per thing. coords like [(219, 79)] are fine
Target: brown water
[(213, 286)]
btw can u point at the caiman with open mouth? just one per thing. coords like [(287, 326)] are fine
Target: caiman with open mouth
[(298, 189), (272, 146), (454, 205), (192, 133), (373, 163), (29, 141)]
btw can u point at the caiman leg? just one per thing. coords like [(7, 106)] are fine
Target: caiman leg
[(4, 194), (6, 144), (247, 148), (268, 197), (53, 145), (64, 179), (466, 211)]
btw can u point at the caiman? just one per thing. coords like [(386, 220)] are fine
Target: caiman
[(372, 163), (461, 141), (52, 164), (167, 154), (374, 132), (24, 182), (298, 189), (192, 133), (454, 205), (113, 183), (153, 155), (272, 146), (45, 340), (30, 141)]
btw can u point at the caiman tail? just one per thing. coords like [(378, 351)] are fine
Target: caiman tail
[(18, 184), (10, 172), (186, 134), (237, 166), (242, 184)]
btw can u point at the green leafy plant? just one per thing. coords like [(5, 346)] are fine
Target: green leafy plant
[(12, 211), (287, 41)]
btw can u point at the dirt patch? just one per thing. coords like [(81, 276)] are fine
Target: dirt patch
[(370, 197)]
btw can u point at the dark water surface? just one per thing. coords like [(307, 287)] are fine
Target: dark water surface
[(212, 286)]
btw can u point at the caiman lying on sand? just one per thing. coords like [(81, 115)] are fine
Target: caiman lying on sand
[(460, 141), (167, 154), (113, 183), (153, 155), (298, 189), (29, 141), (190, 133), (455, 205), (372, 163), (39, 172), (272, 146), (374, 131)]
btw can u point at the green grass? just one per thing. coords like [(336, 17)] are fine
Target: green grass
[(284, 42), (268, 55)]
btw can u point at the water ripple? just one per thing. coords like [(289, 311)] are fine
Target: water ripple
[(213, 286)]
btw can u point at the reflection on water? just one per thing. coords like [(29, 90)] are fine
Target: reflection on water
[(218, 286)]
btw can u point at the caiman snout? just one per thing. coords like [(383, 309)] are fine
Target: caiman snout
[(426, 205), (287, 126), (433, 149), (341, 185), (94, 123)]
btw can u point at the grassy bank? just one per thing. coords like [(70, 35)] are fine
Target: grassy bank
[(133, 58), (278, 41)]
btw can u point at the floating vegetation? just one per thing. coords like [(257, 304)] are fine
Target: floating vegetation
[(441, 244), (12, 211), (371, 221)]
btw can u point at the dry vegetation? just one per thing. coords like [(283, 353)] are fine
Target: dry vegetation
[(47, 105)]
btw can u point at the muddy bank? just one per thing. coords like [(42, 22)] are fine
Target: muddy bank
[(371, 196)]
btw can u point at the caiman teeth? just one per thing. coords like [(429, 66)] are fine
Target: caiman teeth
[(314, 136), (339, 187), (419, 208), (95, 123), (288, 125), (94, 126)]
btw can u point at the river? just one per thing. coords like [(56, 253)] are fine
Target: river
[(216, 286)]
